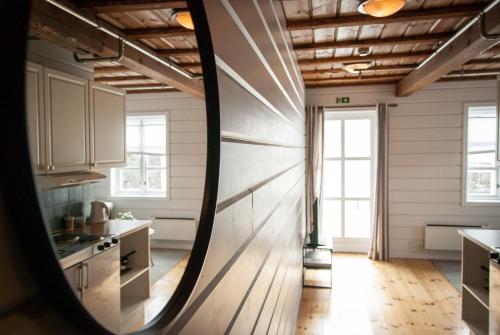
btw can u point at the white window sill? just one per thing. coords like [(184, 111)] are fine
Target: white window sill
[(139, 197), (483, 203)]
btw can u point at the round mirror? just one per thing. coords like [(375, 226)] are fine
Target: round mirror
[(119, 137)]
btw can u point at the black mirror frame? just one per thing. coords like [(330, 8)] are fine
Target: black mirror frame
[(18, 189)]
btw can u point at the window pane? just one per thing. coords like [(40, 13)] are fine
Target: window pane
[(155, 161), (332, 219), (133, 160), (130, 179), (155, 180), (357, 138), (332, 179), (481, 182), (357, 218), (332, 138), (357, 179), (155, 139), (481, 160), (481, 128), (133, 138)]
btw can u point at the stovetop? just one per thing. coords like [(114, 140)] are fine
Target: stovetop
[(68, 244)]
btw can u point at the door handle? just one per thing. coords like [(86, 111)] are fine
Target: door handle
[(86, 284)]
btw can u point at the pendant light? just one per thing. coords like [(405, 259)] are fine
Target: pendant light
[(183, 17), (380, 8)]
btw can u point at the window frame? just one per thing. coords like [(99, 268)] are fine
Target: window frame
[(486, 202), (114, 175)]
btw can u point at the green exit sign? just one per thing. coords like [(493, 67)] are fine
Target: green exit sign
[(343, 100)]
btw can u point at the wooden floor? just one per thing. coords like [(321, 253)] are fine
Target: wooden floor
[(397, 297)]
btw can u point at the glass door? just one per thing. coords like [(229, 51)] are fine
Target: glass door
[(348, 178)]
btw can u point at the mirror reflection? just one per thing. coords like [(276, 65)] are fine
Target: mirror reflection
[(117, 133)]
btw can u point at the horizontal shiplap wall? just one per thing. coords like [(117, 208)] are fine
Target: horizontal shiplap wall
[(251, 278), (187, 157), (425, 159)]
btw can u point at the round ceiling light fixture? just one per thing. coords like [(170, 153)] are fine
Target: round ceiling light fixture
[(356, 67), (363, 51), (380, 8), (183, 17)]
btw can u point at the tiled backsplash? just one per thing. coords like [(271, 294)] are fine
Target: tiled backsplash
[(73, 200)]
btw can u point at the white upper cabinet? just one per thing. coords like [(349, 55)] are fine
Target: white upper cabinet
[(66, 119), (107, 126), (35, 117)]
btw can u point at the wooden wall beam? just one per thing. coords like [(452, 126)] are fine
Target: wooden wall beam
[(373, 42), (144, 33), (369, 58), (116, 6), (461, 50), (51, 23), (403, 16)]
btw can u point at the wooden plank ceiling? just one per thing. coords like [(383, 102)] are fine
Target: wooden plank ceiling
[(326, 35), (151, 23)]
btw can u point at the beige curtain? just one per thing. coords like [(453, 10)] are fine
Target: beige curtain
[(379, 246), (314, 169)]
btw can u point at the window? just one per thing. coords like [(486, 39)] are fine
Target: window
[(481, 175), (348, 178), (146, 172)]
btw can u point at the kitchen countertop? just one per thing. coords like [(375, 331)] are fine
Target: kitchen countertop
[(489, 239), (115, 227), (70, 253)]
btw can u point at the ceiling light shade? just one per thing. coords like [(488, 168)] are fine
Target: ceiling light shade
[(356, 67), (183, 17), (380, 8)]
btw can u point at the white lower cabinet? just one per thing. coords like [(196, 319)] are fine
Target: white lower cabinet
[(73, 124)]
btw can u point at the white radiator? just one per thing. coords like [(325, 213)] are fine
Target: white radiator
[(174, 229), (444, 237)]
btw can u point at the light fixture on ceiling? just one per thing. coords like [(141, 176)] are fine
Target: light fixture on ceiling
[(380, 8), (363, 51), (183, 17), (356, 67)]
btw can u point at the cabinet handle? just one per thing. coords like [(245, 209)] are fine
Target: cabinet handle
[(86, 285), (80, 278), (51, 167), (93, 165)]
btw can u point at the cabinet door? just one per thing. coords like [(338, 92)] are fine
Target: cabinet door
[(74, 276), (66, 112), (101, 292), (35, 117), (107, 126)]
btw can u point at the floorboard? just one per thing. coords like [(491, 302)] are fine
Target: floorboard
[(397, 297)]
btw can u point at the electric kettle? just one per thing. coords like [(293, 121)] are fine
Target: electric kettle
[(100, 211)]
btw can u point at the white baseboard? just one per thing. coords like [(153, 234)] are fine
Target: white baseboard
[(171, 244), (432, 255)]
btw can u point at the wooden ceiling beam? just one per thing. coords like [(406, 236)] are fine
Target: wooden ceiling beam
[(110, 69), (145, 33), (353, 79), (400, 17), (51, 23), (473, 73), (120, 78), (460, 51), (373, 68), (145, 91), (117, 6), (178, 52), (369, 58), (131, 86), (373, 42)]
